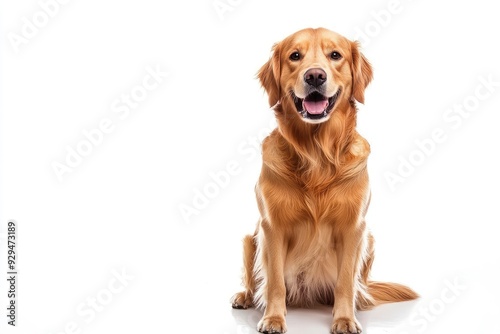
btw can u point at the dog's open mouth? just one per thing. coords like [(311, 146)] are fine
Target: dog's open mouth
[(315, 106)]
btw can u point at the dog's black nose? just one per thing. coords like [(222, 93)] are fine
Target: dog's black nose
[(315, 77)]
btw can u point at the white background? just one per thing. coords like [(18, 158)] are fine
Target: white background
[(118, 210)]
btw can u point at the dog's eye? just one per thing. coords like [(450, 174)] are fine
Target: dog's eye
[(295, 56), (335, 55)]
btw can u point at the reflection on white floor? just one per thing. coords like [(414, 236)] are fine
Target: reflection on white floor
[(449, 305), (383, 319)]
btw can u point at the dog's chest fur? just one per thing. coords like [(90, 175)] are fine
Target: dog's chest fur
[(311, 266)]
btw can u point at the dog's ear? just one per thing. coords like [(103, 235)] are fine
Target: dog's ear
[(269, 76), (362, 73)]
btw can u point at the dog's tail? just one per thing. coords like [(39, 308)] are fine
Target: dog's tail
[(384, 292)]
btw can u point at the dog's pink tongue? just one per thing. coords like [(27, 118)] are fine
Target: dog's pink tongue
[(315, 107)]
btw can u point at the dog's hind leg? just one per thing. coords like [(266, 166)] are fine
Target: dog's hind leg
[(244, 299), (364, 300)]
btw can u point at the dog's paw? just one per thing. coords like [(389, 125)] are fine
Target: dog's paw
[(272, 324), (242, 300), (345, 326)]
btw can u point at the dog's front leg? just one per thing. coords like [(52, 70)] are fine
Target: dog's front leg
[(349, 252), (273, 255)]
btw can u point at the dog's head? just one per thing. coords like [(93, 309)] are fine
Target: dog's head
[(316, 69)]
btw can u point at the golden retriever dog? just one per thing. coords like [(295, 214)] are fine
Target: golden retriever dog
[(311, 245)]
